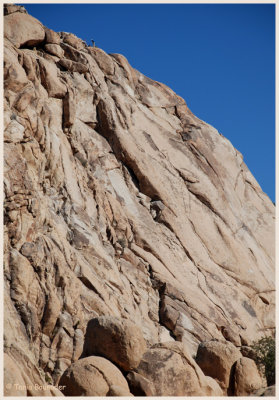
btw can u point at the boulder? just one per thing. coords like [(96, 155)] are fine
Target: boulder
[(73, 66), (14, 132), (246, 377), (50, 80), (214, 387), (103, 60), (92, 376), (73, 40), (173, 372), (54, 49), (52, 37), (231, 335), (73, 54), (23, 30), (24, 98), (14, 75), (139, 385), (216, 359), (119, 340), (12, 8), (118, 391)]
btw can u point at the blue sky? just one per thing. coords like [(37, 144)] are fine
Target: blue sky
[(219, 57)]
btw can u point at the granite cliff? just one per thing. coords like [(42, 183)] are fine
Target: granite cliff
[(138, 247)]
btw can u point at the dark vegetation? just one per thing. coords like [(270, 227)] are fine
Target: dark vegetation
[(265, 358)]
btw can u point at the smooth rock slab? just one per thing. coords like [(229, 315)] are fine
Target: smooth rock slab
[(119, 340), (92, 376)]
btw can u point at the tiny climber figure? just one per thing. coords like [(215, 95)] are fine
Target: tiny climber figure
[(93, 43)]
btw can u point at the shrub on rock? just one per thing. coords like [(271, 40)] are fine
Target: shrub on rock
[(265, 358)]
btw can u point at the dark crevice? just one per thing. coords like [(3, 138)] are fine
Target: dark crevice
[(200, 156), (230, 390), (89, 286), (134, 178)]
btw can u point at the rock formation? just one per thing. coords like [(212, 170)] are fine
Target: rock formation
[(121, 206)]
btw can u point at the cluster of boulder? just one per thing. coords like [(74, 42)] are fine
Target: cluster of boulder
[(117, 362)]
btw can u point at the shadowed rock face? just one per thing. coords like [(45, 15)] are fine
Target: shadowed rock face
[(120, 202)]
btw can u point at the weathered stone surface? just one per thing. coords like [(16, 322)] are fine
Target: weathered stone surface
[(214, 389), (217, 359), (119, 340), (139, 385), (73, 40), (51, 313), (15, 78), (248, 352), (12, 8), (118, 391), (119, 201), (231, 335), (103, 60), (50, 80), (73, 66), (246, 377), (54, 49), (173, 372), (23, 30), (52, 37), (269, 391), (93, 376), (14, 384), (73, 54)]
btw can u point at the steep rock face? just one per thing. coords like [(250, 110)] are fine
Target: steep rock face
[(120, 202)]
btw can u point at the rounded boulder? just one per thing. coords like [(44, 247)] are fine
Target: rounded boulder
[(246, 377), (173, 372), (216, 360), (118, 340), (23, 30), (92, 376)]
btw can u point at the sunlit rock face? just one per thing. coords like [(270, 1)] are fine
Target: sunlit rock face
[(119, 202)]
